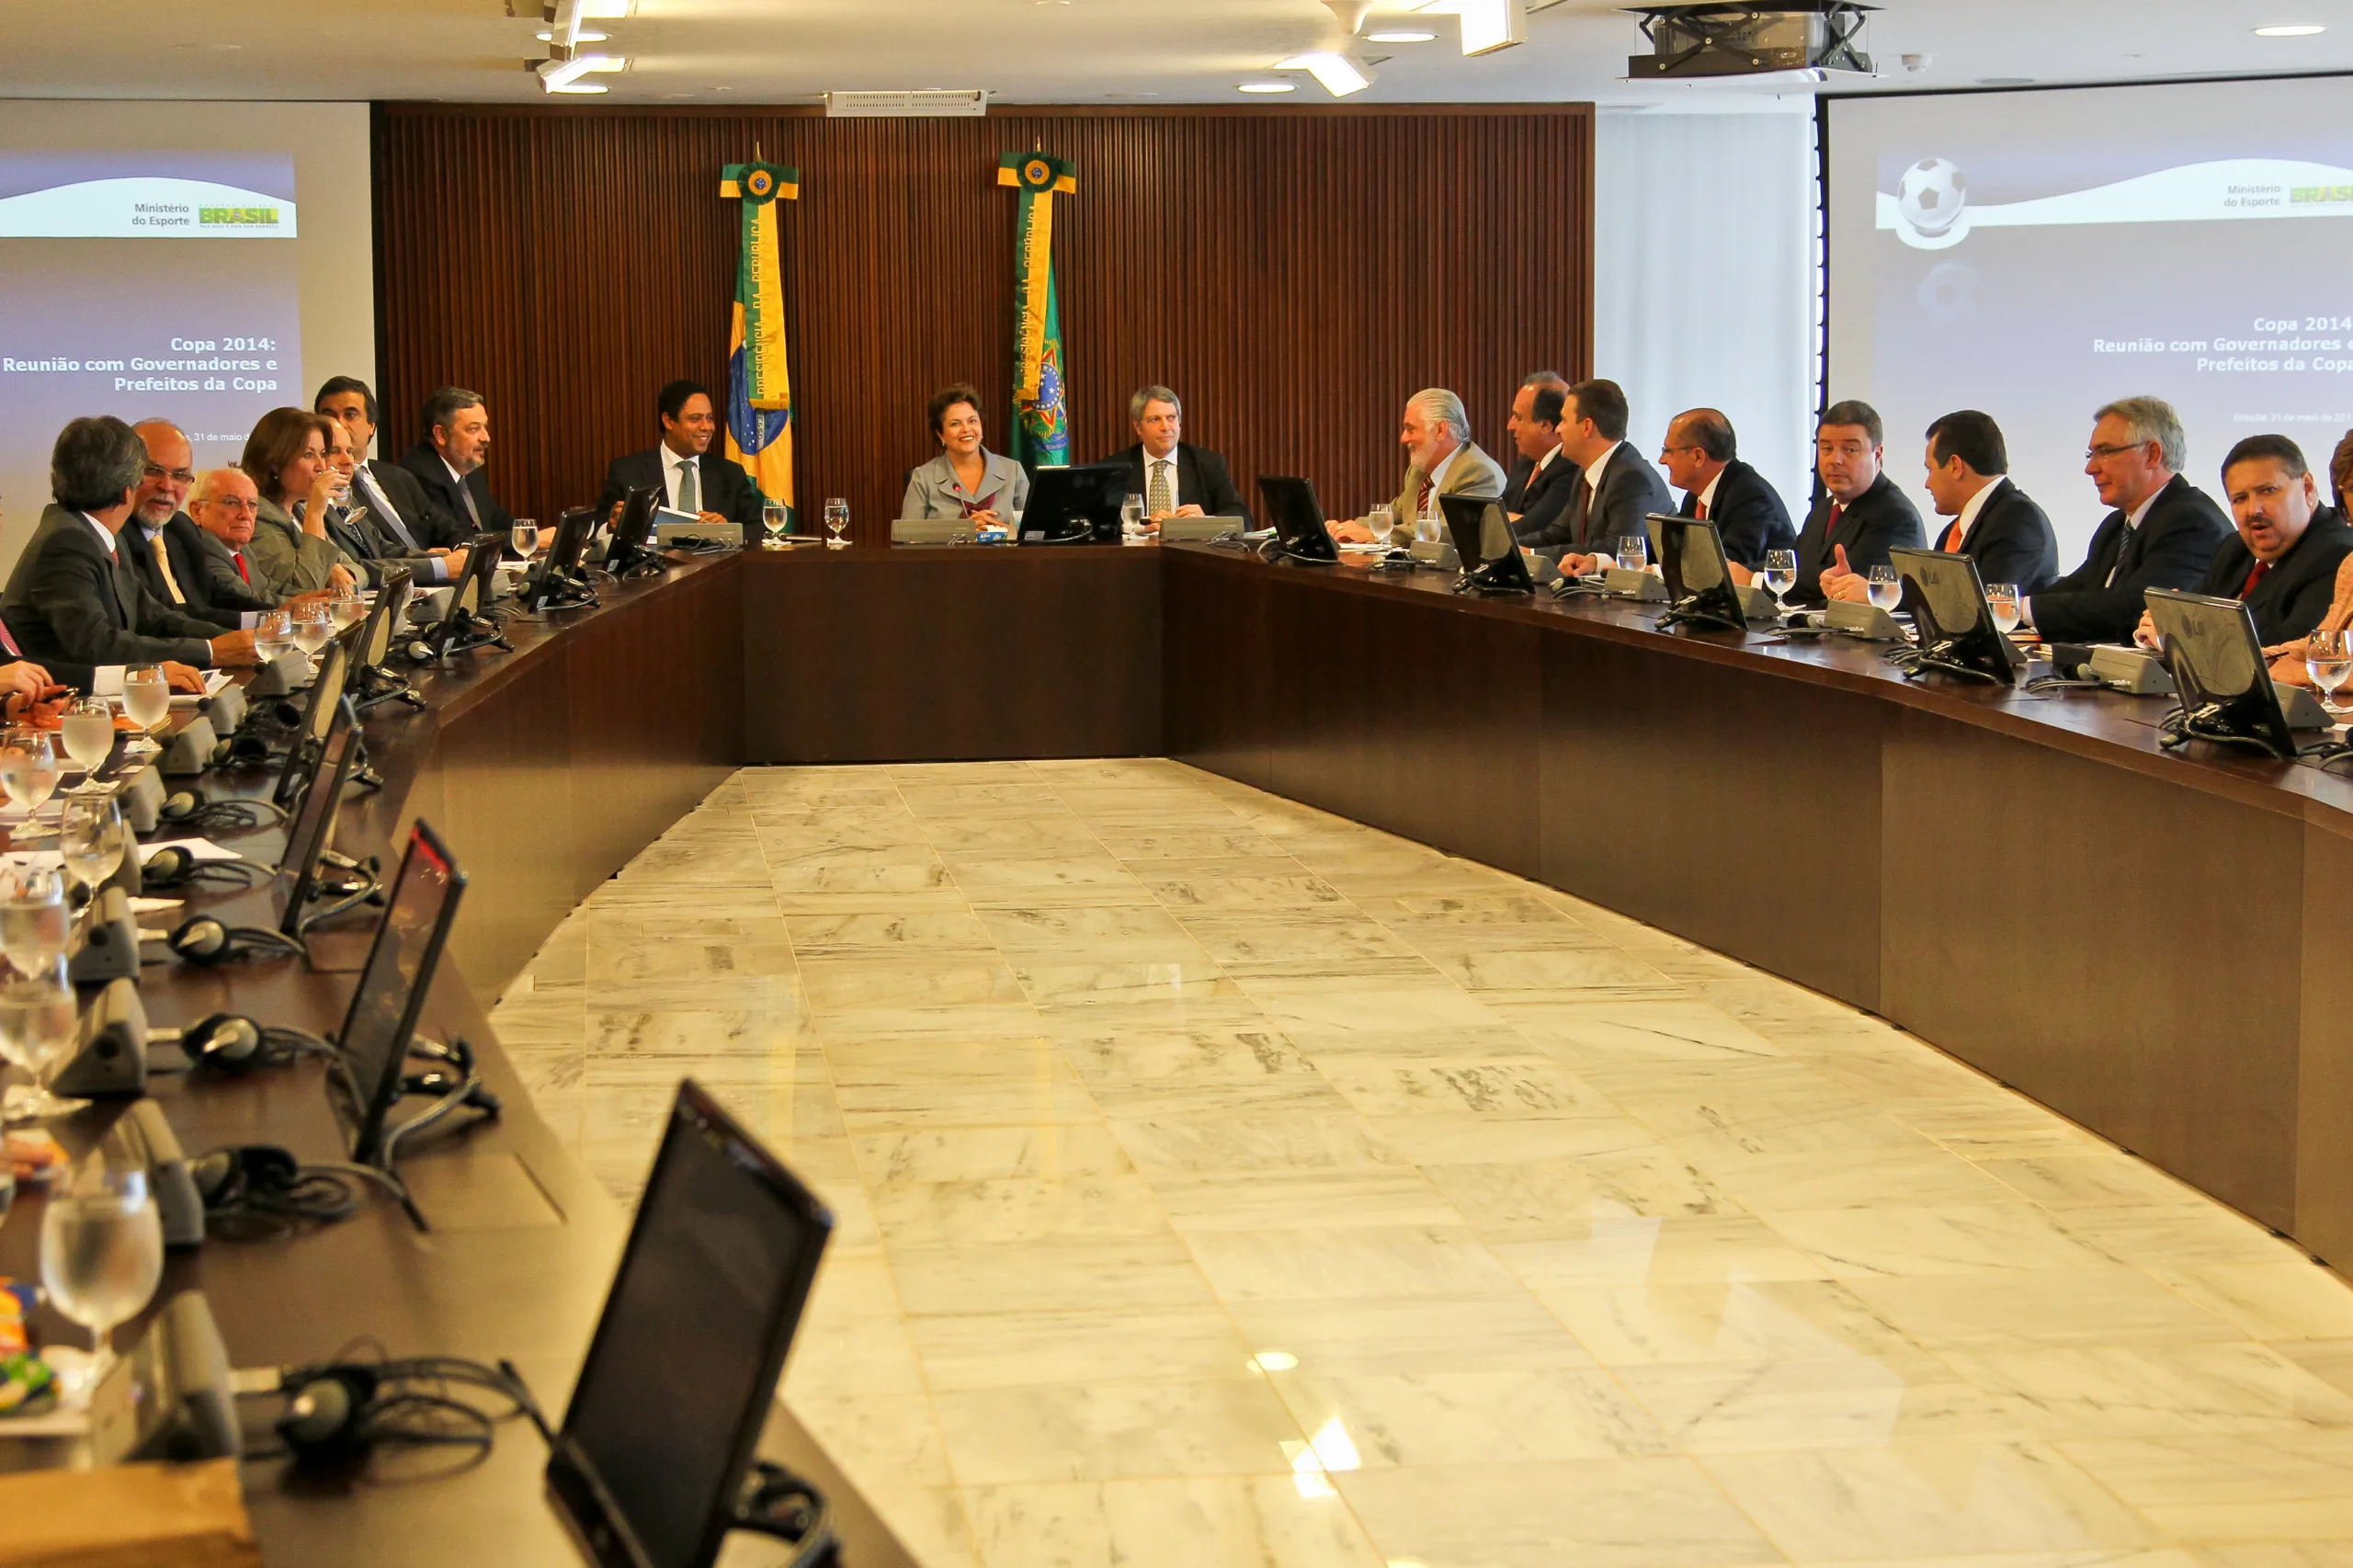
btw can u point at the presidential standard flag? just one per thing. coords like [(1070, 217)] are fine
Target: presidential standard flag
[(759, 388), (1041, 412)]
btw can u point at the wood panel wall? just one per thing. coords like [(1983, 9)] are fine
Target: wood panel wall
[(1295, 275)]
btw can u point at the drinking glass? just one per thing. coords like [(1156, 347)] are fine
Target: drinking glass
[(1382, 521), (273, 633), (771, 524), (90, 839), (1131, 515), (101, 1254), (312, 626), (1634, 552), (1886, 589), (1780, 574), (836, 520), (28, 770), (524, 536), (346, 608), (36, 922), (37, 1027), (2004, 598), (88, 734), (2328, 659), (146, 696)]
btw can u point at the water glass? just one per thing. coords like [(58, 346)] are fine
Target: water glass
[(1634, 552), (2003, 598), (90, 839), (312, 626), (273, 633), (146, 696), (37, 1029), (28, 770), (771, 524), (88, 733), (1779, 575), (2328, 659), (36, 922), (1382, 522), (101, 1254), (836, 520), (1886, 589), (1130, 516), (523, 535), (346, 608)]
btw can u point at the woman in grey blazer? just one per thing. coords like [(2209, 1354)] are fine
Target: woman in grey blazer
[(965, 480), (286, 457)]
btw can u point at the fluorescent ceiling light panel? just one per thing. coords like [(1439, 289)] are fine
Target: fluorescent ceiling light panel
[(1268, 86), (567, 75), (1340, 73), (1487, 25), (1400, 37), (2293, 30)]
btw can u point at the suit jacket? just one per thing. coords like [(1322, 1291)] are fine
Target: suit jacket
[(286, 558), (216, 591), (70, 598), (2012, 541), (1201, 479), (1596, 518), (1882, 519), (356, 541), (1473, 472), (726, 488), (2290, 602), (179, 534), (404, 516), (1541, 498), (454, 524), (2172, 548), (1748, 513)]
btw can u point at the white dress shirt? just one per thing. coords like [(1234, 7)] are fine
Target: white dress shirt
[(1969, 510), (1168, 463), (1708, 496)]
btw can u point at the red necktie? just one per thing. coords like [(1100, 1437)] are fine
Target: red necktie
[(1950, 543), (239, 557), (2253, 577), (1702, 513), (1422, 502), (9, 641)]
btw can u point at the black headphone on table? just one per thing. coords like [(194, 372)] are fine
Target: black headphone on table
[(336, 1414), (173, 868), (232, 1043), (189, 807), (206, 940)]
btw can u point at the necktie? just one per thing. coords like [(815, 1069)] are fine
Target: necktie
[(2123, 543), (1950, 543), (2261, 567), (1422, 500), (8, 640), (163, 564), (1157, 502), (1585, 510), (473, 513), (1702, 513), (689, 489), (383, 508), (239, 557)]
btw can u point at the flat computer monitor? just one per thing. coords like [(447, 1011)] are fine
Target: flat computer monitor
[(1955, 624), (555, 574), (310, 832), (1074, 505), (636, 527), (382, 1021), (2216, 657), (374, 643), (1700, 590), (319, 708), (1298, 519), (470, 592), (667, 1411), (1492, 563)]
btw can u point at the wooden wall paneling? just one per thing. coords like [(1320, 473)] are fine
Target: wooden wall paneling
[(1736, 807), (2022, 882), (1295, 275)]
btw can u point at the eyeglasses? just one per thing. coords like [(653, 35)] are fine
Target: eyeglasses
[(184, 475), (2101, 454), (1666, 452), (232, 504)]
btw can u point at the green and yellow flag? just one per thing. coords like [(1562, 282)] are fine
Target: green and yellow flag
[(759, 391), (1041, 407)]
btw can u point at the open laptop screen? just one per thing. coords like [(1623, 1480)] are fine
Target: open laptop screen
[(385, 1007)]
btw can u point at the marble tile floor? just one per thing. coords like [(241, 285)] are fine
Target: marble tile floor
[(1219, 1181)]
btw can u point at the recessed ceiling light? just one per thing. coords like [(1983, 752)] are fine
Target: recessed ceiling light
[(2005, 81), (2293, 30), (1270, 86), (1399, 38)]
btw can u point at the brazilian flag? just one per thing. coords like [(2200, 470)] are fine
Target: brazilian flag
[(1041, 395), (759, 385)]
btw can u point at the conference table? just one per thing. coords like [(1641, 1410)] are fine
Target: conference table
[(2149, 943)]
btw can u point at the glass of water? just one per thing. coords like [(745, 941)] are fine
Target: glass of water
[(38, 1026), (2328, 659), (836, 520), (1779, 575), (146, 696), (523, 534), (1885, 588), (312, 626), (90, 839), (346, 608), (36, 922), (273, 633), (1383, 523), (1634, 552), (88, 733), (101, 1254), (2004, 598), (28, 770), (1131, 517), (771, 524)]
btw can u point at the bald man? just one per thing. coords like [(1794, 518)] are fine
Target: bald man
[(223, 586)]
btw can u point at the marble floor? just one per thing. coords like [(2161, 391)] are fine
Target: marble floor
[(1219, 1181)]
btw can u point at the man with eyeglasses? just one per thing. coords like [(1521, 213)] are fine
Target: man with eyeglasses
[(1703, 460), (162, 542), (224, 587), (2164, 532)]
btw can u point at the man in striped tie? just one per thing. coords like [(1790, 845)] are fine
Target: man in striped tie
[(1176, 478)]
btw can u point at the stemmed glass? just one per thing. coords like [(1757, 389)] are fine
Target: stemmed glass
[(1779, 575), (523, 537), (90, 840), (28, 770), (146, 697), (1131, 517), (101, 1254), (2003, 598), (273, 634), (1381, 523), (836, 521), (312, 626), (1885, 588), (2328, 659), (1634, 552), (771, 524), (346, 608), (88, 732), (38, 1026)]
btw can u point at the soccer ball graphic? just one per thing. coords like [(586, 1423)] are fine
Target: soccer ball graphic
[(1947, 295), (1931, 195)]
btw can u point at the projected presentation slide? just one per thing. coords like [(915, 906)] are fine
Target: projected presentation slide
[(2037, 255)]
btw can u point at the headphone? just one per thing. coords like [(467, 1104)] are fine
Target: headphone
[(189, 807), (172, 867), (232, 1043), (337, 1413), (205, 940)]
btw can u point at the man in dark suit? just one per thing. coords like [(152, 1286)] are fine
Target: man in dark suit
[(1176, 478), (712, 490), (1861, 515), (2283, 559), (1703, 460), (1994, 522), (221, 586), (159, 536), (399, 520), (73, 597), (1616, 487), (1544, 480), (448, 467), (2162, 533)]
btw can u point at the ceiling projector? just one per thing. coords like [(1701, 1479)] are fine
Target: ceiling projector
[(1735, 40)]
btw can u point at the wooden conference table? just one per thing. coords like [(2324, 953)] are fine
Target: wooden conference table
[(2147, 943)]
